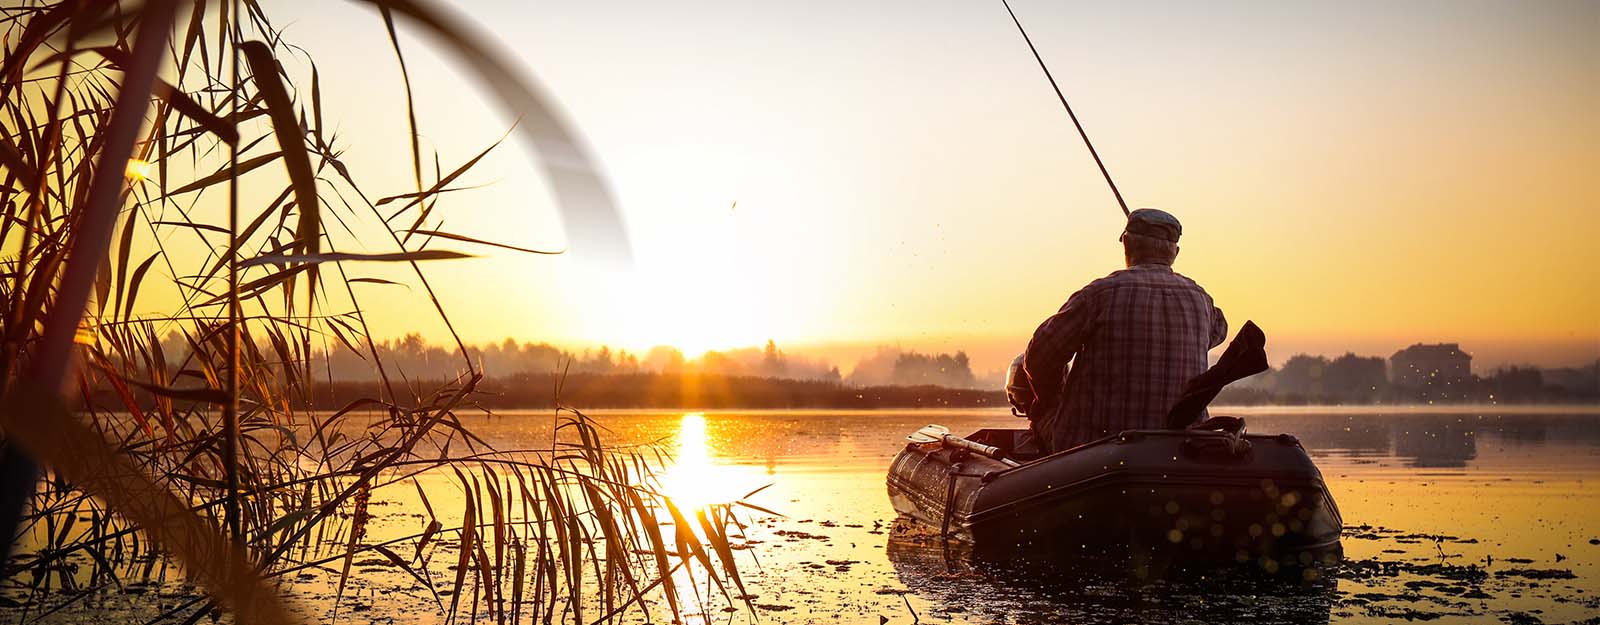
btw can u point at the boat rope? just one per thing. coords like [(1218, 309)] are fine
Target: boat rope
[(1064, 104), (949, 508)]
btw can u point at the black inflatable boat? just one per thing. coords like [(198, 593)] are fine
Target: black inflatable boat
[(1194, 496)]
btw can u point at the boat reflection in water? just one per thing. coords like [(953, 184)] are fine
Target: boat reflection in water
[(1162, 502), (957, 583)]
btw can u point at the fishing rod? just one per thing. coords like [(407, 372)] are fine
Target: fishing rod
[(1064, 104)]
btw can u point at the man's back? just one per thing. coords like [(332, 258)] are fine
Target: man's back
[(1134, 337)]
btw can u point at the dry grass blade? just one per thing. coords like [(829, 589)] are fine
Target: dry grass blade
[(133, 285), (42, 426), (141, 478), (411, 109), (224, 174), (467, 239), (181, 102), (716, 534), (403, 564), (174, 97), (687, 541), (465, 546), (20, 170), (333, 257), (374, 281), (291, 140), (259, 285)]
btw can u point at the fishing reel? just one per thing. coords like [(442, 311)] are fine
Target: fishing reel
[(1019, 389)]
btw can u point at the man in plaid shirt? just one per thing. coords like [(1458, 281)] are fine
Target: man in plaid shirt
[(1133, 338)]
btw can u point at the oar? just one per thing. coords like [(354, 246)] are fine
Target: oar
[(1245, 356), (941, 434)]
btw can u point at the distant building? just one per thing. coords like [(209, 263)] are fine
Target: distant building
[(1442, 369)]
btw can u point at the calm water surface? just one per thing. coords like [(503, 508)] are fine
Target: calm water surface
[(1424, 495), (1476, 516)]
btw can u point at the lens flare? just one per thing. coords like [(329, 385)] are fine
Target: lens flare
[(139, 170)]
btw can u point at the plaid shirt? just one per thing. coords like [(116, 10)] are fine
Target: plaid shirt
[(1133, 337)]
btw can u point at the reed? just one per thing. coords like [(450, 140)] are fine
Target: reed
[(125, 129)]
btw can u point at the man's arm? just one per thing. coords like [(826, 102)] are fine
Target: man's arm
[(1054, 344), (1219, 327)]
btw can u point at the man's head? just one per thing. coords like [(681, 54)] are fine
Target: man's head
[(1151, 237)]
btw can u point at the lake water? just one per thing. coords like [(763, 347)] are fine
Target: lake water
[(1513, 493), (1466, 516)]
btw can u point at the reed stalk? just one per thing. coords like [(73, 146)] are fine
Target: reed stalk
[(187, 437)]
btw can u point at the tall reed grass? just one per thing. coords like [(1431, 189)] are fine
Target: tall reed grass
[(125, 129)]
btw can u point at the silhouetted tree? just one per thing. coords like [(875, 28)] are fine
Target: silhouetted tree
[(664, 358), (1516, 383), (1301, 375), (1355, 378), (772, 361)]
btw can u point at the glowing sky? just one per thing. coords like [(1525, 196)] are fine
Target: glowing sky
[(1354, 175)]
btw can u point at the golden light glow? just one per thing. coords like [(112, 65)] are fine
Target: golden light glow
[(691, 290), (1414, 186), (140, 170), (694, 481), (689, 481)]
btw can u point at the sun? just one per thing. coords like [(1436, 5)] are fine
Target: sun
[(693, 286), (140, 170), (685, 303), (695, 328)]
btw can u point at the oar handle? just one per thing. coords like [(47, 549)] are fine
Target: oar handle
[(951, 440)]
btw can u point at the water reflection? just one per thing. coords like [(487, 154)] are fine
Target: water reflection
[(1525, 489), (686, 481), (996, 592), (1438, 446), (694, 479)]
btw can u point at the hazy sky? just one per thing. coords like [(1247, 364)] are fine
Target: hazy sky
[(1350, 175)]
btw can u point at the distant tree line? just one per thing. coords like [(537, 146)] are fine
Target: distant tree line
[(524, 375), (892, 367), (1353, 379), (690, 391), (412, 357)]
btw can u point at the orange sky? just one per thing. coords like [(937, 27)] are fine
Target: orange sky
[(1357, 175)]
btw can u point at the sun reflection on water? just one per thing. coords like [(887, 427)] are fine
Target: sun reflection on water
[(693, 481)]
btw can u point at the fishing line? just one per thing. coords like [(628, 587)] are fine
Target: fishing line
[(1064, 104)]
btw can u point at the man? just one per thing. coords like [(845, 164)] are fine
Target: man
[(1133, 338)]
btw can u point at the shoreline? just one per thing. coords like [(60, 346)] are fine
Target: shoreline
[(1245, 409)]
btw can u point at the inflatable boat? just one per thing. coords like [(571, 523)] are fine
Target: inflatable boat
[(1191, 496)]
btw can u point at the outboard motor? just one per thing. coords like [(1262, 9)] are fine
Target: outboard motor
[(1019, 390)]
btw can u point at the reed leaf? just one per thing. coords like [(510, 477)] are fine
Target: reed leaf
[(224, 174), (467, 239), (570, 533), (590, 214), (305, 260), (264, 71), (39, 423), (133, 285)]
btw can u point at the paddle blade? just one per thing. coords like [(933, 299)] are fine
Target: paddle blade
[(928, 434), (1245, 356)]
